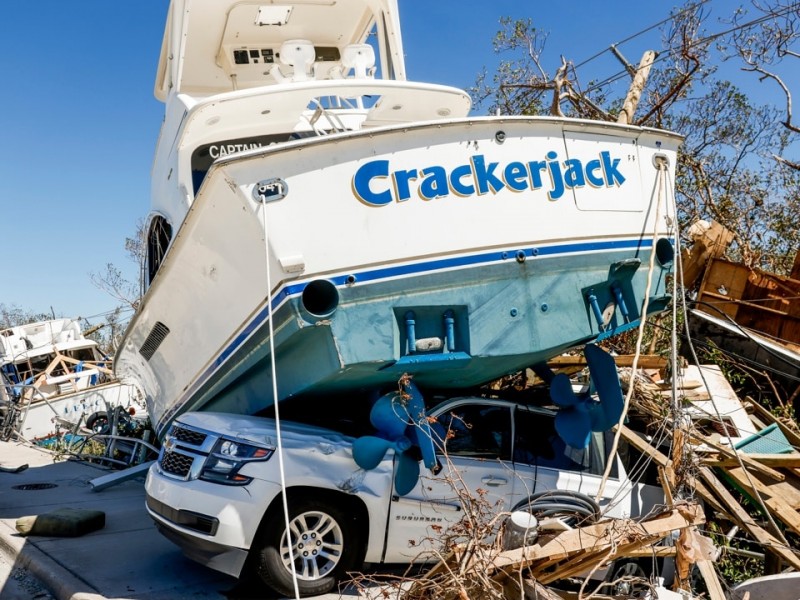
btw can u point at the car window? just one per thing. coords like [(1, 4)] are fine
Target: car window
[(537, 443), (477, 430)]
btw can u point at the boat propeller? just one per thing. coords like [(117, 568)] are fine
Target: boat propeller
[(581, 414), (402, 426)]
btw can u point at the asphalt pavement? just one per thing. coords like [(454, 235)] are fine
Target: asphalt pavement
[(126, 559)]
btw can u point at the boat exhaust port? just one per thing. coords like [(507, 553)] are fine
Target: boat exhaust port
[(665, 253), (320, 298)]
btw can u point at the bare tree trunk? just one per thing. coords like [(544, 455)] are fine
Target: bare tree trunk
[(637, 86)]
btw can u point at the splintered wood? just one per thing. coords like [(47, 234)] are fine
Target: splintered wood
[(566, 554), (737, 456), (573, 552)]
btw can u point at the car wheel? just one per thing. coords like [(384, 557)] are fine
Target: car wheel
[(325, 544), (629, 579)]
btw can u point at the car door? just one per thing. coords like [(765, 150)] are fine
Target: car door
[(476, 463), (543, 461)]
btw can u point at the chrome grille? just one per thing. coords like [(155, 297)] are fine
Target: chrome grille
[(188, 436), (176, 463)]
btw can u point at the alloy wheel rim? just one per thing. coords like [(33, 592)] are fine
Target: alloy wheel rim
[(317, 545)]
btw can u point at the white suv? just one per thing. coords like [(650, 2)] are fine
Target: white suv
[(216, 489)]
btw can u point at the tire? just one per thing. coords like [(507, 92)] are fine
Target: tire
[(327, 545), (98, 423), (628, 578)]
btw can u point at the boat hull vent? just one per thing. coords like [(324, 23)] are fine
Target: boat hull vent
[(154, 339)]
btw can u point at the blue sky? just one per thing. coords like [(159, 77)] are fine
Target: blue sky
[(78, 120)]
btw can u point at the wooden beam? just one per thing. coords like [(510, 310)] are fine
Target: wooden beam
[(708, 244), (643, 446), (709, 573), (646, 361), (739, 516), (746, 460), (602, 536), (781, 499), (787, 461)]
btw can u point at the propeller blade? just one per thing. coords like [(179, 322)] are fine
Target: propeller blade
[(574, 426), (605, 379), (422, 427), (368, 450), (389, 416), (407, 474), (561, 392)]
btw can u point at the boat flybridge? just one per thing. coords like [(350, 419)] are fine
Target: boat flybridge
[(245, 75), (321, 225)]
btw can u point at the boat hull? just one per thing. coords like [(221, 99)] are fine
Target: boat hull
[(43, 418), (456, 252)]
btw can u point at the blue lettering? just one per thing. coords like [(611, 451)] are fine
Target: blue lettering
[(376, 169), (591, 167), (456, 183), (516, 176), (481, 177), (536, 167), (613, 176), (573, 176), (434, 183), (556, 178), (485, 177), (402, 181)]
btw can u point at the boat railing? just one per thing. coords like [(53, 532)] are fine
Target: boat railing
[(16, 409), (333, 105), (333, 119), (114, 450)]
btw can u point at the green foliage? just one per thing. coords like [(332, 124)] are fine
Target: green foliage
[(732, 566)]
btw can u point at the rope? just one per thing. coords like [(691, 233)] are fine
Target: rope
[(662, 170), (284, 497)]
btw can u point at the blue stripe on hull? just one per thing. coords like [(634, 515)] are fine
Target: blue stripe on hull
[(511, 311)]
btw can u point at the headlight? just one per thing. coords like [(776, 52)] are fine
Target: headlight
[(228, 457)]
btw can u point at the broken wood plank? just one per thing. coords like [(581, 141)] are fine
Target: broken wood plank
[(709, 243), (744, 457), (643, 446), (602, 535), (787, 461), (739, 516), (781, 499), (646, 361), (650, 552), (709, 573)]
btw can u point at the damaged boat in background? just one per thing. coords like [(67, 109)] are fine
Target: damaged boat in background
[(321, 222), (54, 378)]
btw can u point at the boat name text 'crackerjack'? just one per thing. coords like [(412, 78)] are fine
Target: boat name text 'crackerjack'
[(479, 177)]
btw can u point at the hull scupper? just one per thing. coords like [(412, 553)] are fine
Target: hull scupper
[(336, 229)]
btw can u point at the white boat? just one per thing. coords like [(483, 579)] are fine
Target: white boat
[(311, 203), (53, 378)]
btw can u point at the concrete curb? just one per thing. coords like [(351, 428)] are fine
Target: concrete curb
[(60, 581)]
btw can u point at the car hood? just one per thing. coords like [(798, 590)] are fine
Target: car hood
[(262, 430)]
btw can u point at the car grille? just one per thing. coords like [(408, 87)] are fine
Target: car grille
[(188, 436), (183, 446), (176, 463)]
